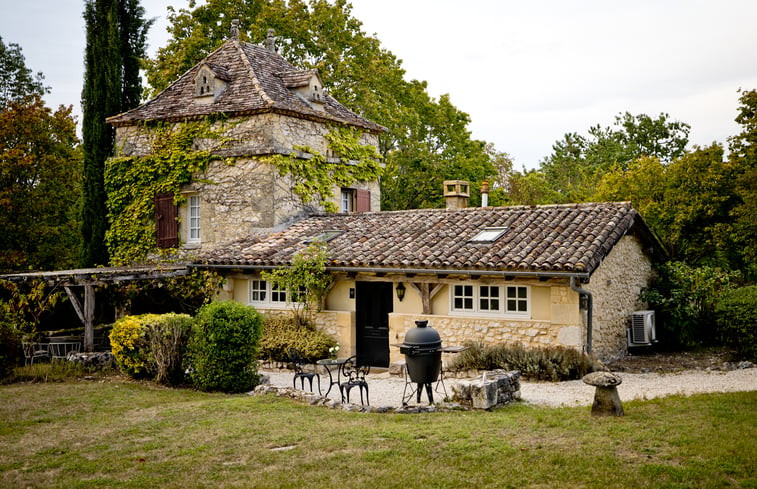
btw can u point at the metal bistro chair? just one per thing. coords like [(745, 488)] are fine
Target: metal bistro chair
[(354, 375), (59, 350), (34, 351), (300, 373)]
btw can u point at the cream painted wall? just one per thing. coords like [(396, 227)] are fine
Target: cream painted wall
[(339, 299)]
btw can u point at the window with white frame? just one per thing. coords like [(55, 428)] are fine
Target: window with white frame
[(258, 290), (348, 200), (491, 299), (193, 221), (264, 293), (517, 299)]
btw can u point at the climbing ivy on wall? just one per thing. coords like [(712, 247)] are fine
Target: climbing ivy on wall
[(131, 183), (313, 177)]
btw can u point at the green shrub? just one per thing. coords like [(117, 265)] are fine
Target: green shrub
[(167, 338), (550, 363), (684, 298), (130, 345), (223, 347), (281, 333), (736, 315), (9, 347)]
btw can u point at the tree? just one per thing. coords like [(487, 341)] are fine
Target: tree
[(39, 186), (305, 281), (426, 137), (116, 32), (743, 156), (16, 80), (577, 162)]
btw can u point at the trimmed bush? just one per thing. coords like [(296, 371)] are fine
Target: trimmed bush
[(282, 333), (223, 347), (151, 346), (736, 315), (167, 338), (552, 363), (130, 345)]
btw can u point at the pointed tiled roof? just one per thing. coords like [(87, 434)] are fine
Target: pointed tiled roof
[(556, 238), (255, 85)]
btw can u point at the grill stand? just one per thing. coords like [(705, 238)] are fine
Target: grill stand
[(417, 389)]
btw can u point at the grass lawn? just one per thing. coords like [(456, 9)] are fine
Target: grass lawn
[(114, 433)]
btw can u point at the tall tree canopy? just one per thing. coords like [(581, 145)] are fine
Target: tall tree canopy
[(39, 172), (578, 162), (427, 140), (39, 186), (116, 31), (17, 81)]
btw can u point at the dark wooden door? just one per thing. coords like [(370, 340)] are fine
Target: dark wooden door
[(373, 305)]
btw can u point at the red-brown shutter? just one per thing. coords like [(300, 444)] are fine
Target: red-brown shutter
[(166, 221), (362, 200)]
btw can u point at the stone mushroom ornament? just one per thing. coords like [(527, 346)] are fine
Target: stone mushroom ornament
[(606, 399)]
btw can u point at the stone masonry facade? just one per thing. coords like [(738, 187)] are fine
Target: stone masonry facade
[(616, 285), (244, 196)]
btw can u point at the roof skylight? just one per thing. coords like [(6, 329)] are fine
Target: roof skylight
[(488, 235), (325, 236)]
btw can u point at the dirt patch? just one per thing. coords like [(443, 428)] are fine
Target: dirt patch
[(664, 362)]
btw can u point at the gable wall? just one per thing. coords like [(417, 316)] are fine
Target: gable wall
[(615, 286)]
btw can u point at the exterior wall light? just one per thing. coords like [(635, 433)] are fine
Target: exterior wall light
[(400, 291)]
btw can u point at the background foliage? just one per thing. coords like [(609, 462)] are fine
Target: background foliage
[(116, 33), (736, 314), (427, 141)]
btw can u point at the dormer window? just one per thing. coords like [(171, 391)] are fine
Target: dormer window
[(307, 85), (210, 82), (204, 87)]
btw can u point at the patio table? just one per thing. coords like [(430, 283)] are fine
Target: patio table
[(328, 363)]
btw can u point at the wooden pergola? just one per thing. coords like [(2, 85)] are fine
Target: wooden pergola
[(88, 279)]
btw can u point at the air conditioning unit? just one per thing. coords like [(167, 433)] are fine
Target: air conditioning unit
[(641, 332)]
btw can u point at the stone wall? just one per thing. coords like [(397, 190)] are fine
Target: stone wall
[(456, 330), (244, 196), (258, 134), (615, 287)]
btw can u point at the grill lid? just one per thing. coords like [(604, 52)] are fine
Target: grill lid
[(423, 336)]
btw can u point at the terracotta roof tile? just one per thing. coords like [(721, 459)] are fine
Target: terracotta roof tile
[(561, 238)]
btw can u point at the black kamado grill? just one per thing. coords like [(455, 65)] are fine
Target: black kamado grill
[(423, 357)]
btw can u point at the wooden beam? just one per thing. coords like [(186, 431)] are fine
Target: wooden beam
[(89, 316), (77, 305)]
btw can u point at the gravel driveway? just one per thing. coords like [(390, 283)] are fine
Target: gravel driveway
[(386, 390)]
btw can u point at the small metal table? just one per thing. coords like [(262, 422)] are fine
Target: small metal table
[(327, 363)]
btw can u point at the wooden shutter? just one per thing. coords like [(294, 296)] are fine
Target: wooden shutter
[(166, 221), (362, 200)]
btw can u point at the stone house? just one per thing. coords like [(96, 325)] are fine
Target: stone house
[(492, 275), (513, 274), (263, 106)]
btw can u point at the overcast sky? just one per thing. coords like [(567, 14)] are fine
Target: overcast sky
[(525, 72)]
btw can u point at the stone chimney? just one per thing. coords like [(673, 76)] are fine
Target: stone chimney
[(456, 193)]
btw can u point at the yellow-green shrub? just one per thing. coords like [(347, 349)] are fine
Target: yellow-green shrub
[(130, 346), (280, 333)]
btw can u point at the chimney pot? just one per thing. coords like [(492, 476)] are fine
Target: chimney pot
[(456, 193)]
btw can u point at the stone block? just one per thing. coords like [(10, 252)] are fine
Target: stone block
[(492, 389)]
